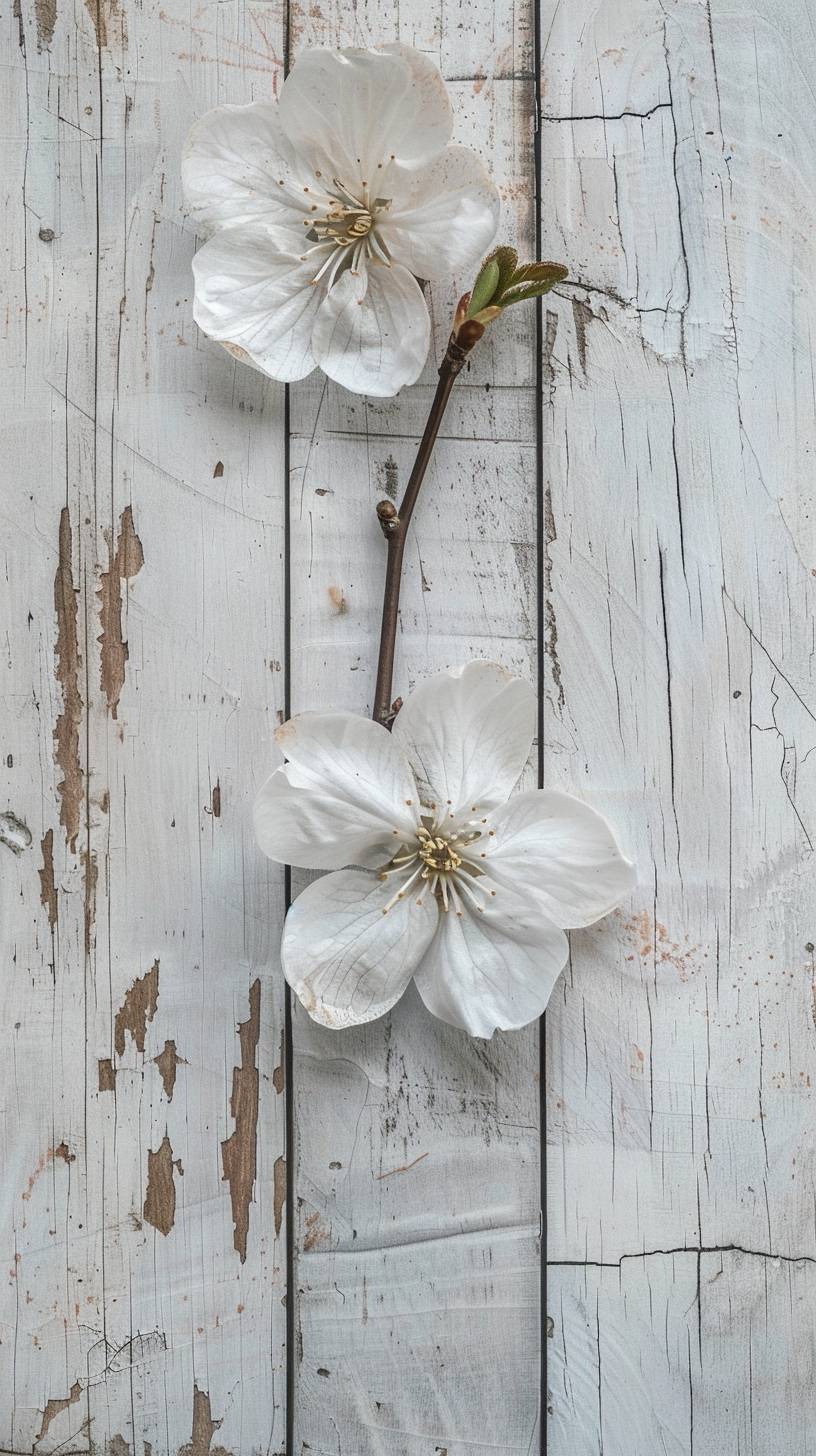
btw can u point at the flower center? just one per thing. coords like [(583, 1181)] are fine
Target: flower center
[(437, 854), (443, 864), (349, 224), (343, 225)]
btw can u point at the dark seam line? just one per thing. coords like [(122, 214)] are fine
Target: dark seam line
[(288, 1053), (539, 480)]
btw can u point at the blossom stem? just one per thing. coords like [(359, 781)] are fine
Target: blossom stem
[(395, 521)]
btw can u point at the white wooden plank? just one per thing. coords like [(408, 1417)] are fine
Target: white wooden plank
[(141, 1311), (679, 433), (417, 1179)]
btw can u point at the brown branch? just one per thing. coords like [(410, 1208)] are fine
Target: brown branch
[(395, 521)]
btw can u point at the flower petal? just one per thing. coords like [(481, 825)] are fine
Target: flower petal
[(316, 831), (347, 960), (444, 215), (239, 166), (260, 303), (467, 735), (373, 331), (559, 852), (494, 970), (346, 796), (350, 111)]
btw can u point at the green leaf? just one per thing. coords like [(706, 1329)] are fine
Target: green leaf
[(533, 289), (507, 259), (484, 287), (549, 273)]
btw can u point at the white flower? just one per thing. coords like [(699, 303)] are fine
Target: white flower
[(325, 208), (463, 887)]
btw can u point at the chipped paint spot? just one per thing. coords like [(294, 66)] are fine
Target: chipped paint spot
[(204, 1428), (138, 1007), (338, 600), (391, 478), (55, 1407), (239, 1150), (45, 12), (279, 1196), (279, 1074), (14, 833), (118, 1446), (48, 889), (160, 1198), (106, 1075), (91, 876), (216, 800), (219, 470), (103, 13), (582, 316), (167, 1061), (316, 1233), (66, 732), (124, 564)]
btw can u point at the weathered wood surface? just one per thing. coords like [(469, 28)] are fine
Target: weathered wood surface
[(678, 167), (141, 607), (141, 600)]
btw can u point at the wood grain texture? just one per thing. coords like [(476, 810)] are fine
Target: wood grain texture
[(678, 169), (141, 608), (143, 665)]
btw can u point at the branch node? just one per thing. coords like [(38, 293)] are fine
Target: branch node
[(388, 517)]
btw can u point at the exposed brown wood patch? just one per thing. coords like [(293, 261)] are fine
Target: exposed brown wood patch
[(279, 1074), (167, 1061), (138, 1007), (316, 1232), (106, 1075), (66, 732), (118, 1446), (160, 1199), (204, 1428), (239, 1150), (216, 800), (56, 1405), (91, 876), (124, 563), (582, 316), (103, 13), (48, 889), (279, 1194), (45, 12)]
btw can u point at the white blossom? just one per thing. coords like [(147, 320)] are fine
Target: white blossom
[(325, 207), (455, 882)]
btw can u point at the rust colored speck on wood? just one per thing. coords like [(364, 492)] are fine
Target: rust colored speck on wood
[(239, 1150)]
